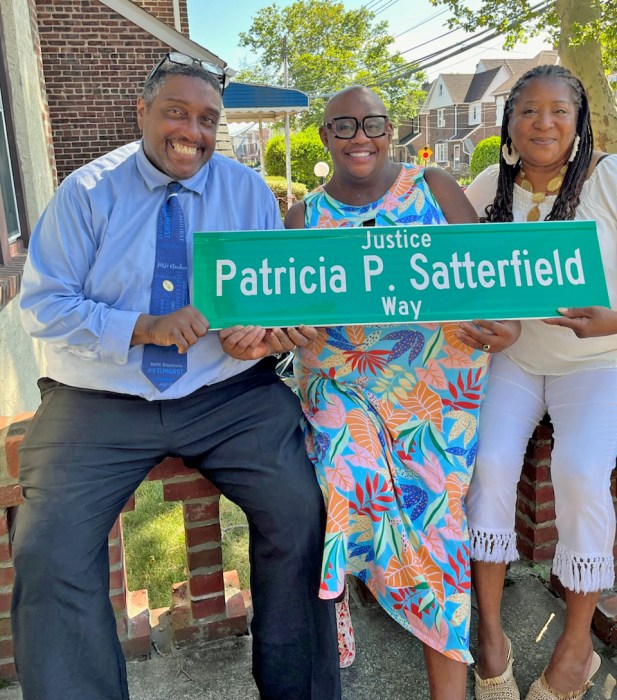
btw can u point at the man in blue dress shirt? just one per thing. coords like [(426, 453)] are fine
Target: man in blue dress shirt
[(103, 424)]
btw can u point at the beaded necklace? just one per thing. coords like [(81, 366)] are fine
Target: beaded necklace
[(537, 198)]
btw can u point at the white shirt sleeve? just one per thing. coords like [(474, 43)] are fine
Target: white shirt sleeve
[(482, 190)]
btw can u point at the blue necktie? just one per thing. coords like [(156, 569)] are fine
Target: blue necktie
[(170, 289)]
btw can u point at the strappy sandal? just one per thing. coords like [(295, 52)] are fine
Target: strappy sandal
[(541, 690), (346, 639), (501, 687)]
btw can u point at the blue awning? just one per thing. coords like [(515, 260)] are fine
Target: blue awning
[(246, 102)]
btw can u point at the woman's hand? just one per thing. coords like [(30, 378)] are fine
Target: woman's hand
[(587, 322), (255, 342), (489, 336)]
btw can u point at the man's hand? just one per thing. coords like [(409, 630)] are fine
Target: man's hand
[(182, 328), (489, 336), (586, 322), (255, 342)]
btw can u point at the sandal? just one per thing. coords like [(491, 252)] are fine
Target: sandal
[(541, 690), (501, 687), (346, 639)]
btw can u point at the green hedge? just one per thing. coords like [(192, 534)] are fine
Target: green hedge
[(486, 153), (306, 149), (278, 185)]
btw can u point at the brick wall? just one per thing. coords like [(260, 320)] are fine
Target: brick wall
[(95, 62), (164, 10), (208, 605), (34, 29)]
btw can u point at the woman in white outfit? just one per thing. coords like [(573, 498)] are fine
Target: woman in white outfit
[(549, 170)]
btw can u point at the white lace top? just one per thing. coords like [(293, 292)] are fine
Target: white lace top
[(543, 349)]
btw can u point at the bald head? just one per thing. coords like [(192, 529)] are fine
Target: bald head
[(352, 98)]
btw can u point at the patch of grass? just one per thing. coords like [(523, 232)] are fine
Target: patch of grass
[(235, 533), (542, 570), (155, 548)]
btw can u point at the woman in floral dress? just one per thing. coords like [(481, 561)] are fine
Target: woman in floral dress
[(392, 410)]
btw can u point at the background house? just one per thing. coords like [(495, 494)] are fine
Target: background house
[(462, 109), (245, 140), (70, 73)]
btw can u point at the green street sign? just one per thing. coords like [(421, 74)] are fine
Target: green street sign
[(342, 276)]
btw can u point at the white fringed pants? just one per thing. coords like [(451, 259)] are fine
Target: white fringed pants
[(583, 410)]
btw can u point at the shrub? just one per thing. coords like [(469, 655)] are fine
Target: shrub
[(306, 149), (486, 153), (278, 185)]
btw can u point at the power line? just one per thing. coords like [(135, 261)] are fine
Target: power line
[(372, 4), (419, 64), (385, 7), (425, 21), (413, 67), (430, 41)]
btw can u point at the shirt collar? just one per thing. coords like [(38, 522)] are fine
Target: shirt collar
[(154, 178)]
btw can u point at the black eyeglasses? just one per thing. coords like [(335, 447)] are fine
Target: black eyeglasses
[(183, 60), (347, 127)]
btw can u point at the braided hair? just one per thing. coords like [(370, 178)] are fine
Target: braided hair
[(568, 198)]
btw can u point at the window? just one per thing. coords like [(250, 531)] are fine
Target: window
[(441, 117), (475, 110), (13, 229), (499, 105), (415, 125), (456, 155), (7, 186), (441, 153)]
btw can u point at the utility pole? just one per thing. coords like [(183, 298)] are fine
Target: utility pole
[(287, 135)]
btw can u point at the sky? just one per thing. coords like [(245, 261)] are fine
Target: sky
[(216, 26)]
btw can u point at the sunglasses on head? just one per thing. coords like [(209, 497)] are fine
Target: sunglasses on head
[(183, 60)]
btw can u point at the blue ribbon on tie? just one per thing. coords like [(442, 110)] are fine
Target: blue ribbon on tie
[(170, 289)]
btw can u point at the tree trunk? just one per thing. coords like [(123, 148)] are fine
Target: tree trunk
[(585, 61)]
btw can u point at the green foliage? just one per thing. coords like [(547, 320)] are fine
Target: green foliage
[(542, 571), (486, 153), (155, 546), (520, 22), (464, 180), (278, 185), (328, 48), (517, 20), (274, 156), (306, 149)]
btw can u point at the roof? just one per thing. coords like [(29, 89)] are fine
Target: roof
[(519, 65), (407, 139), (523, 65), (248, 102), (457, 85), (480, 84), (168, 35), (462, 133)]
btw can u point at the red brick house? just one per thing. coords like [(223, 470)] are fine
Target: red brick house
[(462, 109), (70, 74)]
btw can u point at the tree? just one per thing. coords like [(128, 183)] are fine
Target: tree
[(485, 153), (306, 150), (586, 31), (329, 48)]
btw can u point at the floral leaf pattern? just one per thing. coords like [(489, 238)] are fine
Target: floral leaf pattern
[(391, 419), (363, 431), (425, 404)]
